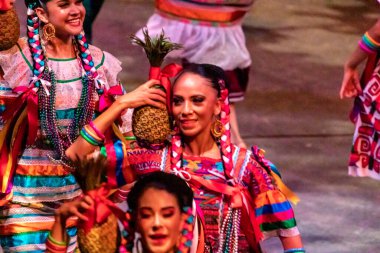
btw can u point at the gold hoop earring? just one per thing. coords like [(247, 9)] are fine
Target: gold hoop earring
[(217, 129), (48, 31)]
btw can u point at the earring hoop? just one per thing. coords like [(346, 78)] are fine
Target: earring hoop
[(48, 31), (217, 129)]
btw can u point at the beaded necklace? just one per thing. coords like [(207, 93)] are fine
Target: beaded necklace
[(229, 226), (83, 113)]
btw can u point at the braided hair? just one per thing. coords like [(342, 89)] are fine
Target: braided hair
[(41, 75), (174, 186), (219, 82), (34, 41)]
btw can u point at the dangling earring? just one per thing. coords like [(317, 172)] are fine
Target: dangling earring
[(217, 129), (48, 32)]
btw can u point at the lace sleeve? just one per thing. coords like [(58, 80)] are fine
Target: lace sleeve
[(16, 64), (107, 65), (112, 67)]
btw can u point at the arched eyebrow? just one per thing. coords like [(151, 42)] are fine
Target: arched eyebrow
[(63, 1), (151, 209)]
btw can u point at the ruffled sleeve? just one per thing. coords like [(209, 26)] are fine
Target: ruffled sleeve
[(16, 63), (273, 211), (107, 65)]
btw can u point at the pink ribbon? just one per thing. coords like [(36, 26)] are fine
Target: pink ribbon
[(106, 99)]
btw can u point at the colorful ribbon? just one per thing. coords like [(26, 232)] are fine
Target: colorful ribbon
[(21, 123), (29, 95), (239, 198), (12, 137)]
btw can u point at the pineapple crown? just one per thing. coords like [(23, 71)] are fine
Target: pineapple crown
[(90, 173), (155, 48)]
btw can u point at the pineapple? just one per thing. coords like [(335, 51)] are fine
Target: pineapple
[(102, 237), (151, 125), (9, 29)]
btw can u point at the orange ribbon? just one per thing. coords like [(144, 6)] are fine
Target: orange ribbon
[(191, 11)]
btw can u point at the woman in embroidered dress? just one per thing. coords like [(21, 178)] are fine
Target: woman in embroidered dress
[(364, 159), (160, 209), (238, 203), (210, 32), (54, 85)]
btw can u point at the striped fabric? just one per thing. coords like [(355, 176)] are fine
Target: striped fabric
[(273, 212), (216, 13), (40, 185)]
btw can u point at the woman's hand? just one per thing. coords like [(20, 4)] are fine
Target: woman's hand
[(6, 4), (75, 208), (145, 94), (350, 84)]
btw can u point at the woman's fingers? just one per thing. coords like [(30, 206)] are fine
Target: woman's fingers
[(157, 104), (350, 84), (151, 83), (77, 213)]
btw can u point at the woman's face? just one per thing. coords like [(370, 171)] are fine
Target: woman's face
[(159, 221), (195, 104), (66, 16)]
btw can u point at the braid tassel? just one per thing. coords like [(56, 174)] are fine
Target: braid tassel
[(225, 140), (176, 152), (187, 231), (35, 46), (88, 62), (128, 236)]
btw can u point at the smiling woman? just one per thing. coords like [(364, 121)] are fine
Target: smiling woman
[(160, 205), (240, 200), (53, 82), (160, 210)]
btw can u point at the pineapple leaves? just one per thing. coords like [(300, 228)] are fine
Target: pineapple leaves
[(155, 48)]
